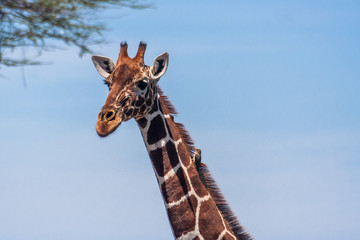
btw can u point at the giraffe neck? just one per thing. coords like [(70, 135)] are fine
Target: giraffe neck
[(192, 212)]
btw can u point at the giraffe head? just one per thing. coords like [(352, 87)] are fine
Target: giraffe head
[(131, 87)]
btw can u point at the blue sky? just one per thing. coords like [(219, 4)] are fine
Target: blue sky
[(268, 90)]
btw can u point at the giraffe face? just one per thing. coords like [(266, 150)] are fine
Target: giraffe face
[(131, 87)]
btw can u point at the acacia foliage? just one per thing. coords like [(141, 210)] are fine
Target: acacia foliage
[(35, 23)]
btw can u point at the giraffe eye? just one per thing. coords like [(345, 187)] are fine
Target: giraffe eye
[(142, 85)]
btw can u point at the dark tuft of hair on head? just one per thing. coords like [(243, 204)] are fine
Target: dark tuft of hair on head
[(123, 43)]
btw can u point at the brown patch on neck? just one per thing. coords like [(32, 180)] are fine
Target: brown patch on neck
[(168, 109), (224, 208)]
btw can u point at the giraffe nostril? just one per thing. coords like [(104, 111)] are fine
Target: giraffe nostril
[(110, 115)]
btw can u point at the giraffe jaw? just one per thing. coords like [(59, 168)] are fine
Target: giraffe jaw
[(104, 128)]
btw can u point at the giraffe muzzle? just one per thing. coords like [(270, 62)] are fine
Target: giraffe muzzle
[(108, 121)]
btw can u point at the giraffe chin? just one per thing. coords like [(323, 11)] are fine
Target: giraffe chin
[(104, 129)]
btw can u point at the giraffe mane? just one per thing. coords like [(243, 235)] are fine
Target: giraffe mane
[(219, 199), (168, 108)]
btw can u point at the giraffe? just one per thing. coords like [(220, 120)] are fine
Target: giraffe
[(195, 207)]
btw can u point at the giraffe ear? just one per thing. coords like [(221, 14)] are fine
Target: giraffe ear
[(103, 65), (160, 65)]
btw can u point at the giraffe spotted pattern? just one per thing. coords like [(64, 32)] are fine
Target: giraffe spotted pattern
[(194, 209), (179, 182)]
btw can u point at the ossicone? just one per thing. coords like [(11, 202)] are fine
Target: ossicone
[(141, 52)]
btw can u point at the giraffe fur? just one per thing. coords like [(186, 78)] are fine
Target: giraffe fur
[(196, 209)]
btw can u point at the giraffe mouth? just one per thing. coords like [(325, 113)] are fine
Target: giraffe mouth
[(103, 130), (108, 122)]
